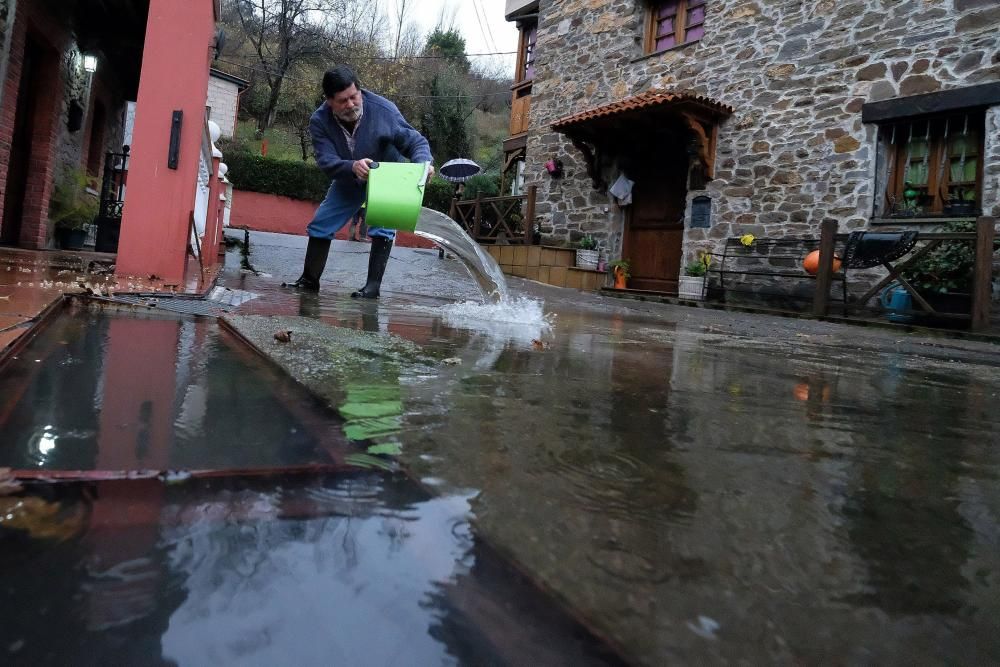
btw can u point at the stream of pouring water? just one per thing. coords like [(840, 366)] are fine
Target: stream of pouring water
[(448, 234)]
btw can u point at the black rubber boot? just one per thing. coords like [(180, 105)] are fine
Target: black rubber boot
[(377, 260), (316, 254)]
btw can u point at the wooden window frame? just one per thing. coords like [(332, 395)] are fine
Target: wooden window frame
[(522, 52), (681, 28), (931, 201)]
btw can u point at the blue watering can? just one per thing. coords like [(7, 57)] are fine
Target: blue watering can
[(898, 302)]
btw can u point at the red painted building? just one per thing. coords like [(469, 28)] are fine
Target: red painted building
[(69, 69)]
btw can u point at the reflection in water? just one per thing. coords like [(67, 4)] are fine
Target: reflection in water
[(703, 498), (726, 494), (361, 570), (119, 392), (905, 511)]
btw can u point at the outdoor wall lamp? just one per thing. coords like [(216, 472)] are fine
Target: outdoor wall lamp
[(90, 63), (554, 167)]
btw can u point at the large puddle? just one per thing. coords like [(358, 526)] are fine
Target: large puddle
[(363, 569), (111, 392), (233, 566), (751, 490)]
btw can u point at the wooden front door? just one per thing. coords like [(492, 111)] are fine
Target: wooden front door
[(654, 232)]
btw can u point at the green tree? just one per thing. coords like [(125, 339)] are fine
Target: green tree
[(451, 45), (448, 111), (445, 122)]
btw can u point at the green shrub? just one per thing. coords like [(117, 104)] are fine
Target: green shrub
[(71, 206), (297, 180), (486, 183), (948, 267), (438, 194)]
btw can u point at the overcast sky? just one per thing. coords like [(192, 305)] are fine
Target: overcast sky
[(493, 35)]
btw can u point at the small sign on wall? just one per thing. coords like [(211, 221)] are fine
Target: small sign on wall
[(701, 212)]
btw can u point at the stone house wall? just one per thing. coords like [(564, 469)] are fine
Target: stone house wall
[(795, 152), (86, 89)]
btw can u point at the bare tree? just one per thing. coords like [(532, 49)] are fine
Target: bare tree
[(283, 34)]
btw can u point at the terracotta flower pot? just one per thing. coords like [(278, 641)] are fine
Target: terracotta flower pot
[(619, 275)]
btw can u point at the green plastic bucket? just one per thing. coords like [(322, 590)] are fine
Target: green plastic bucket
[(395, 194)]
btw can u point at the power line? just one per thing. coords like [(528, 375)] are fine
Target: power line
[(312, 82), (467, 55), (482, 32), (489, 29)]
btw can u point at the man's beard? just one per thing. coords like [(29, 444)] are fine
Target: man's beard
[(349, 115)]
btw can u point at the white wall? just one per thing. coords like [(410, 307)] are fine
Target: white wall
[(222, 100)]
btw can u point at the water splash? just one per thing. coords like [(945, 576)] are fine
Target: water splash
[(448, 234), (520, 319)]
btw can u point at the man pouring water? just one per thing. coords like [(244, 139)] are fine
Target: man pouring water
[(352, 129)]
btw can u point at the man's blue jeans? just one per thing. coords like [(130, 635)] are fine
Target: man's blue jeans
[(336, 210)]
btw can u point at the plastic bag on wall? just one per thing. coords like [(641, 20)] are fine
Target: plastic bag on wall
[(622, 190)]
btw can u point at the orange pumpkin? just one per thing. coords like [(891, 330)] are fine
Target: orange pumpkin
[(811, 263)]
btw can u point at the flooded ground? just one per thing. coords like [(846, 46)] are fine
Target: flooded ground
[(709, 487), (691, 486)]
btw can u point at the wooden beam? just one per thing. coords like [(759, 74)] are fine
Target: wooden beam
[(590, 160), (921, 301), (900, 268), (982, 296), (517, 143), (987, 94), (706, 143), (824, 278), (529, 215), (478, 215)]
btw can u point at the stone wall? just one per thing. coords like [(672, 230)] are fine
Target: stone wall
[(54, 147), (85, 89), (795, 152)]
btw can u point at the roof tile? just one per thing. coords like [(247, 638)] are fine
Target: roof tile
[(646, 100)]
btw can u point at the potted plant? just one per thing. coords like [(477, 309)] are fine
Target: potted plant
[(692, 284), (620, 271), (587, 254), (72, 209), (944, 276), (960, 201)]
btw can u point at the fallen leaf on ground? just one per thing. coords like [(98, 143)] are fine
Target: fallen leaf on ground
[(452, 361), (283, 336)]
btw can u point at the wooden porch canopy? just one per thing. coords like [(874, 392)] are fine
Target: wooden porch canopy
[(600, 128)]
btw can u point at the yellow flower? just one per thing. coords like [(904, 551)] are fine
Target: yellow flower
[(748, 239)]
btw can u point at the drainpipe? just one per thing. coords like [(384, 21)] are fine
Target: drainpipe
[(5, 47)]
